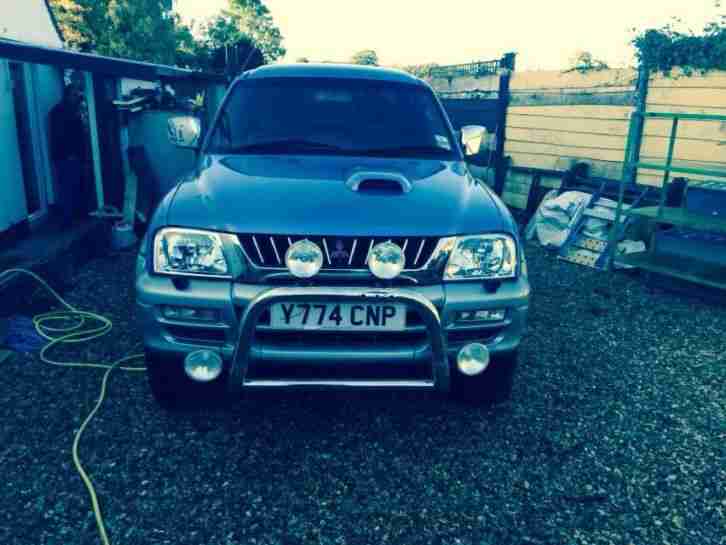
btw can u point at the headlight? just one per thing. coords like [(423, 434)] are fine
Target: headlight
[(188, 251), (485, 257)]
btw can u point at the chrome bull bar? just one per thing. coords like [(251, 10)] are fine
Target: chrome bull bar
[(428, 312)]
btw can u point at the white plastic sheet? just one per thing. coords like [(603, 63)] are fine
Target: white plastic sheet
[(556, 216)]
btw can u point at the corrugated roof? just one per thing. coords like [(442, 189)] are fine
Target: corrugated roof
[(24, 52)]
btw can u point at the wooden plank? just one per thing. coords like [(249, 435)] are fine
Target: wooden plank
[(707, 131), (707, 97), (686, 108), (606, 169), (589, 152), (605, 113), (654, 178), (686, 167), (686, 150), (566, 138), (677, 78), (557, 79), (574, 125), (592, 97)]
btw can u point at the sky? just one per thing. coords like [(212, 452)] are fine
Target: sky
[(544, 34)]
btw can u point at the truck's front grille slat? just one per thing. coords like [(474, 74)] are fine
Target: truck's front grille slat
[(274, 248), (259, 252), (339, 253)]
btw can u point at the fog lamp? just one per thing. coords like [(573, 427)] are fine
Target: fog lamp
[(304, 259), (203, 365), (482, 315), (473, 359), (386, 260)]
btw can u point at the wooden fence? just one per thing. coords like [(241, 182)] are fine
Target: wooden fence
[(557, 119)]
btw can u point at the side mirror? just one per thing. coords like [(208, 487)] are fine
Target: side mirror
[(471, 138), (185, 131)]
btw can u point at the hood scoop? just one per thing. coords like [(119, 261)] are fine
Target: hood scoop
[(379, 182)]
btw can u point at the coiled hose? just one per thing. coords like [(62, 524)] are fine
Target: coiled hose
[(74, 326)]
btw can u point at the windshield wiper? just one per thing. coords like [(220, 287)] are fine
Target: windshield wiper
[(405, 151), (282, 146)]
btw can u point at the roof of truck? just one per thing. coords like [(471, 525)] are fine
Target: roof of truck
[(351, 71)]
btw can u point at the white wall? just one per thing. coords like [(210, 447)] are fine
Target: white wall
[(28, 21), (13, 207)]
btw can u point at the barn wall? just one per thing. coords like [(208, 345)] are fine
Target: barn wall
[(700, 144), (556, 119)]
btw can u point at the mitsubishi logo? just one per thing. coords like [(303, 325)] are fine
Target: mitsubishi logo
[(340, 256)]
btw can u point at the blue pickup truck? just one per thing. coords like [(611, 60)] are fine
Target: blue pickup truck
[(330, 236)]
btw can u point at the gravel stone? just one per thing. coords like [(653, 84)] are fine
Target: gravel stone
[(616, 434)]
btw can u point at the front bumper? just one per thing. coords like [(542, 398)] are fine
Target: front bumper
[(241, 340)]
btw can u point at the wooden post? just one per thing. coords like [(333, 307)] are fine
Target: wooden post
[(95, 146), (507, 67)]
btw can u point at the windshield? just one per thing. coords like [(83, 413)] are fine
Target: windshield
[(332, 117)]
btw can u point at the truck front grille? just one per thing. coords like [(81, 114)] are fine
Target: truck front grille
[(339, 253)]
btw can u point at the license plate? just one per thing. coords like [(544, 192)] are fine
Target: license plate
[(338, 316)]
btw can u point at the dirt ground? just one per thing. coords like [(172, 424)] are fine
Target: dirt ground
[(616, 434)]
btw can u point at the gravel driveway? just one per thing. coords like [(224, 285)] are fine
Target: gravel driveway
[(616, 434)]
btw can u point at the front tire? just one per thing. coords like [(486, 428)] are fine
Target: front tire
[(490, 387), (174, 390)]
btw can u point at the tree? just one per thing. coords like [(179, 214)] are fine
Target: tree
[(583, 61), (251, 19), (69, 16), (668, 47), (136, 29), (366, 57)]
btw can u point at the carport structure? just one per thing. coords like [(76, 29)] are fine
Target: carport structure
[(32, 77)]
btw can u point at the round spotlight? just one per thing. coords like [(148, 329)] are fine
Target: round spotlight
[(473, 359), (203, 365), (386, 260), (304, 259)]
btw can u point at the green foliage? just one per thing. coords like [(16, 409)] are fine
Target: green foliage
[(70, 20), (583, 62), (149, 30), (366, 57), (134, 29), (252, 19), (666, 48)]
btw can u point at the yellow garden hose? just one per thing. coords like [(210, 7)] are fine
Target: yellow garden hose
[(73, 326)]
